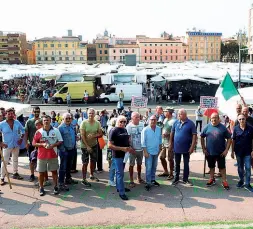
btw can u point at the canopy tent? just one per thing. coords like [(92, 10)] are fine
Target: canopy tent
[(19, 108)]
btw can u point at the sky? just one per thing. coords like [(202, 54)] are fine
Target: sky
[(123, 18)]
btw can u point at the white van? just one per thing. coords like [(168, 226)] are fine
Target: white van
[(129, 90)]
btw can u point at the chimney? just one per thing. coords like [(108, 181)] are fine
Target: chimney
[(70, 33), (80, 37)]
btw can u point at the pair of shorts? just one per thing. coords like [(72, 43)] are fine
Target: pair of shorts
[(164, 152), (212, 159), (138, 157), (93, 155), (44, 165), (29, 151)]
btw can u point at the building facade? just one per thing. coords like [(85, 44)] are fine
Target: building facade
[(31, 59), (160, 50), (204, 46), (91, 53), (65, 50), (13, 48), (102, 50)]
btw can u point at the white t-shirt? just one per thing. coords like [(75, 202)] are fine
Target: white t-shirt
[(180, 94), (199, 115), (86, 94), (135, 134)]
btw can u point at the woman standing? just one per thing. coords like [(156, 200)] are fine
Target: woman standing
[(119, 143)]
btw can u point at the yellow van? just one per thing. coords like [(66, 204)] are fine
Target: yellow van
[(76, 91)]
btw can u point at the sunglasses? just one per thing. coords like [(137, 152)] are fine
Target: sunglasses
[(37, 112), (122, 121), (241, 119), (68, 118)]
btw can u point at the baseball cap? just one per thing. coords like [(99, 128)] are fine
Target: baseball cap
[(169, 109)]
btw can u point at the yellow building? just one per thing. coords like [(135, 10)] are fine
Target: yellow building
[(204, 46), (53, 50)]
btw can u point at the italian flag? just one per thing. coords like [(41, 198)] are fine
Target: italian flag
[(228, 97)]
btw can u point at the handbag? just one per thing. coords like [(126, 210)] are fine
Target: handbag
[(101, 142)]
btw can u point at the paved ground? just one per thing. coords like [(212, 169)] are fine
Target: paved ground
[(22, 207)]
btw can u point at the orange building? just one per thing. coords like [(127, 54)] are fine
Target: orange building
[(31, 59)]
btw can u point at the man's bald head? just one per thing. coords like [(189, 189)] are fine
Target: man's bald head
[(245, 111), (238, 109), (182, 114)]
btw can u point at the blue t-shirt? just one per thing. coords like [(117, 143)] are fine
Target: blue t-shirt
[(215, 138), (243, 140), (183, 135)]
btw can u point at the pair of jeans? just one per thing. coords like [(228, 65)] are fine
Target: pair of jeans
[(199, 122), (244, 162), (112, 170), (178, 157), (151, 165), (100, 159), (74, 162), (66, 160), (119, 175)]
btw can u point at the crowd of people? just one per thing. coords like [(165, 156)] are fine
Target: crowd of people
[(51, 142)]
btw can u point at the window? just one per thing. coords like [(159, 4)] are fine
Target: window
[(155, 44), (191, 51), (81, 52), (106, 52), (161, 51), (46, 58), (132, 50), (150, 50), (171, 51), (100, 52), (73, 52), (60, 58), (123, 50), (166, 58), (74, 58), (145, 58), (196, 45), (38, 52), (217, 51), (120, 51), (106, 58), (52, 53), (38, 45), (59, 45), (114, 57), (39, 58), (52, 45), (151, 58), (155, 50), (67, 58), (100, 45), (171, 58), (155, 57), (59, 52), (67, 52), (176, 50), (126, 50), (45, 45), (145, 45), (211, 44), (185, 51), (73, 45), (161, 44), (63, 90), (66, 45), (176, 57), (196, 51), (166, 51), (101, 58), (185, 58), (81, 58), (45, 52), (150, 45), (114, 51), (145, 51), (52, 58)]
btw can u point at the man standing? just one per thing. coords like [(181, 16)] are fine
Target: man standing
[(151, 142), (134, 130), (68, 98), (129, 114), (66, 153), (47, 139), (86, 96), (199, 118), (183, 139), (12, 133), (45, 96), (90, 130), (121, 96), (242, 147), (159, 114), (167, 126), (30, 129), (216, 148), (180, 95)]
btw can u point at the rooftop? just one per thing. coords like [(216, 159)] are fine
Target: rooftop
[(157, 40), (58, 39)]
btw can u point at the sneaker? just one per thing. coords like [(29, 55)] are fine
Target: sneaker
[(56, 190), (211, 182), (175, 182), (64, 188), (2, 182), (240, 184), (85, 183), (94, 178), (47, 183), (111, 183), (42, 192), (71, 181), (100, 171), (225, 185), (187, 182), (16, 176), (248, 187), (74, 171), (123, 197), (155, 183), (147, 187), (126, 190), (32, 178)]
